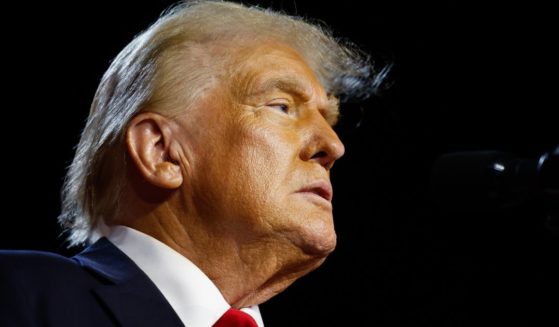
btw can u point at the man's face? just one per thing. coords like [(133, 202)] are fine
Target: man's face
[(259, 150)]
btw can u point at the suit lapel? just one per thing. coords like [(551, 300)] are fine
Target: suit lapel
[(127, 292)]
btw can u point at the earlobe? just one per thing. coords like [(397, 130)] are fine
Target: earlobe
[(169, 174), (148, 139)]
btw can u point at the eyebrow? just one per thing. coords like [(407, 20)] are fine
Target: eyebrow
[(288, 85)]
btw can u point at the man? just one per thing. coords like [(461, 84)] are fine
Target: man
[(201, 179)]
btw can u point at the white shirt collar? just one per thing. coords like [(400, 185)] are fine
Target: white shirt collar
[(193, 296)]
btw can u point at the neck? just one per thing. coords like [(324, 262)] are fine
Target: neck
[(247, 271)]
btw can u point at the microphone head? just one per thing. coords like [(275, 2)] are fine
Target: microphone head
[(482, 180), (548, 167)]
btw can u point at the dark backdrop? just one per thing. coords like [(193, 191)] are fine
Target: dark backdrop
[(467, 76)]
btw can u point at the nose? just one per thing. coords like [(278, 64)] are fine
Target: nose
[(323, 145)]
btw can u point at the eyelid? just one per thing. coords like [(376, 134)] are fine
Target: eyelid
[(278, 101), (284, 103)]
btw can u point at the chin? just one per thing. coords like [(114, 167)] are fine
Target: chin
[(318, 239), (321, 247)]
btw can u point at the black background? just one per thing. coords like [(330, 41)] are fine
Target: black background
[(467, 76)]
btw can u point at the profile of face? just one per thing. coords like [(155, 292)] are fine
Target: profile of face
[(258, 153)]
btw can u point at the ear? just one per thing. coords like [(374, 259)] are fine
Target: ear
[(148, 138)]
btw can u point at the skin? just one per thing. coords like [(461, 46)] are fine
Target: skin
[(239, 184)]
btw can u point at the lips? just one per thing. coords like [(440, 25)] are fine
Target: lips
[(320, 188)]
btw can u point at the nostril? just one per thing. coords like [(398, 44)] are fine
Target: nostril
[(319, 154), (324, 159)]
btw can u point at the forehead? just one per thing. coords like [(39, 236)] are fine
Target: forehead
[(256, 65), (271, 59), (276, 67)]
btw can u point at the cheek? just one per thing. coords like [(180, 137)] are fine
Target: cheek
[(267, 144), (246, 171), (264, 160)]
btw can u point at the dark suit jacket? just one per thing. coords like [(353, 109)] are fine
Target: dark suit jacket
[(99, 287)]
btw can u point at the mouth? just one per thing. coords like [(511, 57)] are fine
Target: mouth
[(319, 188)]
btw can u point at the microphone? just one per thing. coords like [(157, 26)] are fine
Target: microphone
[(489, 180)]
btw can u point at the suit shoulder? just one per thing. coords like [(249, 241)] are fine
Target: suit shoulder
[(41, 288), (42, 276), (36, 261), (41, 270)]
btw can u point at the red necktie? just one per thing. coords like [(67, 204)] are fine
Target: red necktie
[(235, 318)]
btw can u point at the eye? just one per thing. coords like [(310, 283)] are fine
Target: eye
[(280, 107)]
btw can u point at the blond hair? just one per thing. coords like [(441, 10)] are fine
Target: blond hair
[(174, 52)]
